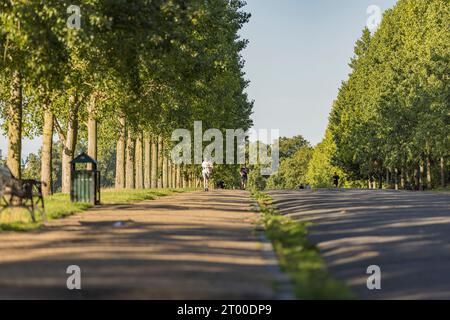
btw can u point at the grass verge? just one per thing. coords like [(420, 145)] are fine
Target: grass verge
[(297, 257), (441, 190), (59, 206)]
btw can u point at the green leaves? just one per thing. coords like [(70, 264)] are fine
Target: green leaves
[(393, 109)]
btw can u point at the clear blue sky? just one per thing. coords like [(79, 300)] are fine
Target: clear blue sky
[(297, 57)]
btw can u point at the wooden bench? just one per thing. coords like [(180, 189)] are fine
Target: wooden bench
[(23, 193)]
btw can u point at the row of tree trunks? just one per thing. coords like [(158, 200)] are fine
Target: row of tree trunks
[(152, 168), (419, 177), (143, 162)]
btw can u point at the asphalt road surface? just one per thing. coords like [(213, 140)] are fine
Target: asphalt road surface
[(186, 246), (406, 234)]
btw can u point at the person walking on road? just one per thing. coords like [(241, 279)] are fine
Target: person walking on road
[(336, 180), (244, 177), (207, 168)]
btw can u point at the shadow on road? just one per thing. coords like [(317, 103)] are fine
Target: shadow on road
[(188, 246), (406, 234)]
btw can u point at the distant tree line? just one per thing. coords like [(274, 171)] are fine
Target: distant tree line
[(391, 121), (390, 124)]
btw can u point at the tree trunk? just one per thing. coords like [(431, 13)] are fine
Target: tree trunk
[(388, 179), (402, 179), (179, 183), (160, 162), (174, 176), (120, 155), (15, 126), (129, 174), (185, 178), (165, 170), (169, 174), (92, 129), (154, 171), (415, 179), (70, 143), (139, 163), (429, 182), (372, 183), (46, 156), (421, 175), (147, 162), (396, 179), (443, 177), (189, 180)]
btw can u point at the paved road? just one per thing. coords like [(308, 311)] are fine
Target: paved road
[(406, 234), (186, 246)]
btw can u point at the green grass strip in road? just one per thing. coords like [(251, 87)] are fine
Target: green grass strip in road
[(59, 206), (297, 257)]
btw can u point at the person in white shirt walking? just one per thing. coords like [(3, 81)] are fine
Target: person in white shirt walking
[(207, 168)]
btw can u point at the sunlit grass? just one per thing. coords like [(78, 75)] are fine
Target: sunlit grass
[(297, 257), (59, 206), (111, 196)]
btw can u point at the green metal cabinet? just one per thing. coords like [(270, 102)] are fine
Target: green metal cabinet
[(85, 186)]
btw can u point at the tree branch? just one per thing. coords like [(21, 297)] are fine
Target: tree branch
[(60, 131)]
